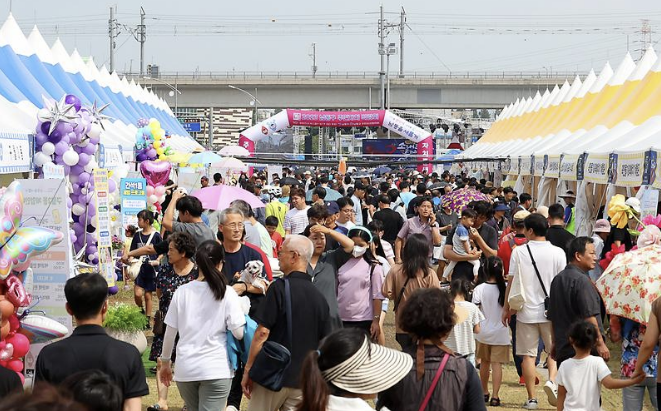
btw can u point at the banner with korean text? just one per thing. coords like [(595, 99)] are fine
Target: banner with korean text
[(569, 167), (552, 169), (630, 169), (595, 169)]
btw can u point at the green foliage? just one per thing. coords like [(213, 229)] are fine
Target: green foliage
[(125, 318)]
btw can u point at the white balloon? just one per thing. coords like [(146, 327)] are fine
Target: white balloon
[(89, 167), (78, 209), (152, 199), (95, 130), (70, 158), (93, 222), (83, 190), (160, 200), (83, 143), (48, 148), (40, 159)]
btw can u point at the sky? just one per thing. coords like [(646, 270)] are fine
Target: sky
[(259, 35)]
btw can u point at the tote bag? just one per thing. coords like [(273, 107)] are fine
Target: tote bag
[(517, 296)]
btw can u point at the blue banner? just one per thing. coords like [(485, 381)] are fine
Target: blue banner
[(133, 193)]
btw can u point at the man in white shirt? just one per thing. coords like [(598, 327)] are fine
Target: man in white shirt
[(531, 322), (296, 219)]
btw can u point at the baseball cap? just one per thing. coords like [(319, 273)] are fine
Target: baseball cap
[(332, 207), (602, 226), (521, 215), (501, 207)]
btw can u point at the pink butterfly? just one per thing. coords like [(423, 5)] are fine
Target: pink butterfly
[(19, 244)]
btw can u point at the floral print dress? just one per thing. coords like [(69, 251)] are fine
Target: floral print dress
[(168, 281), (633, 334)]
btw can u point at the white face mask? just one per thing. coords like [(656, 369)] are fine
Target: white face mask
[(358, 251)]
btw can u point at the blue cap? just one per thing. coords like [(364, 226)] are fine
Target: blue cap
[(332, 207), (501, 207)]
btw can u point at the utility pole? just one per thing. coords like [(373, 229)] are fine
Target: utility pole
[(142, 36), (111, 34), (314, 60), (402, 25), (645, 36), (382, 73)]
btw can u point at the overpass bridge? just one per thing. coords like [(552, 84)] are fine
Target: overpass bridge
[(350, 90)]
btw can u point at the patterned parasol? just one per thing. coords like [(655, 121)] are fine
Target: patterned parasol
[(459, 199), (631, 283)]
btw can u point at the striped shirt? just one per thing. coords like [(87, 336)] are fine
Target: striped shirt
[(296, 220)]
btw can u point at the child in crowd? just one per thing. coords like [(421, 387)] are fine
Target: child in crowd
[(271, 224), (462, 337), (461, 242), (579, 377), (494, 338)]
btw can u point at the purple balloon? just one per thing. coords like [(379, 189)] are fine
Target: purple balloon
[(112, 185), (95, 139), (151, 153), (77, 170), (95, 260), (91, 249), (141, 157), (61, 148), (55, 136), (113, 290), (71, 99), (91, 211), (45, 127), (40, 139), (67, 169), (89, 149), (83, 178), (83, 159), (69, 203)]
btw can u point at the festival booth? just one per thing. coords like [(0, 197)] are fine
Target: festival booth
[(364, 118), (597, 137)]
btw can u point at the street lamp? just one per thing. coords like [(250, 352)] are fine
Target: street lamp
[(253, 103), (174, 91)]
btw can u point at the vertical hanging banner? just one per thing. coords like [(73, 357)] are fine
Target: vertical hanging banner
[(649, 175), (612, 168), (103, 236), (426, 153), (133, 194), (46, 205), (630, 169), (525, 168)]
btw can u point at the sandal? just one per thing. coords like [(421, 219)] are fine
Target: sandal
[(486, 397), (495, 402), (156, 407)]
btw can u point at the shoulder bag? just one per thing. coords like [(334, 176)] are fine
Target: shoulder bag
[(517, 296), (398, 298), (539, 277), (273, 359), (133, 267), (434, 383)]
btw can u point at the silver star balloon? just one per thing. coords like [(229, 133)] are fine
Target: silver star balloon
[(97, 113), (58, 111)]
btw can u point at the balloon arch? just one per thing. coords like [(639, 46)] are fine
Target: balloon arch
[(361, 118)]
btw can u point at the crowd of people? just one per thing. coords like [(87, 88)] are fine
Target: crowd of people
[(500, 281)]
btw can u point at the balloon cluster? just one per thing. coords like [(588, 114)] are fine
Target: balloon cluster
[(157, 174), (150, 141), (68, 135), (20, 244)]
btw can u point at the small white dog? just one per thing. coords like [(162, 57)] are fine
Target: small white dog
[(253, 274)]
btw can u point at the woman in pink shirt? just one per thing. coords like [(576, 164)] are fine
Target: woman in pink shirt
[(359, 282)]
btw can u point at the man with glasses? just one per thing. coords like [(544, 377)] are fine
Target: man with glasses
[(345, 218), (237, 255)]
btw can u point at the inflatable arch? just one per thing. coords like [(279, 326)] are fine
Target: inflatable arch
[(362, 118)]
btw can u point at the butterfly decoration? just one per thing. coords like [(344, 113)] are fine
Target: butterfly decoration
[(18, 244)]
